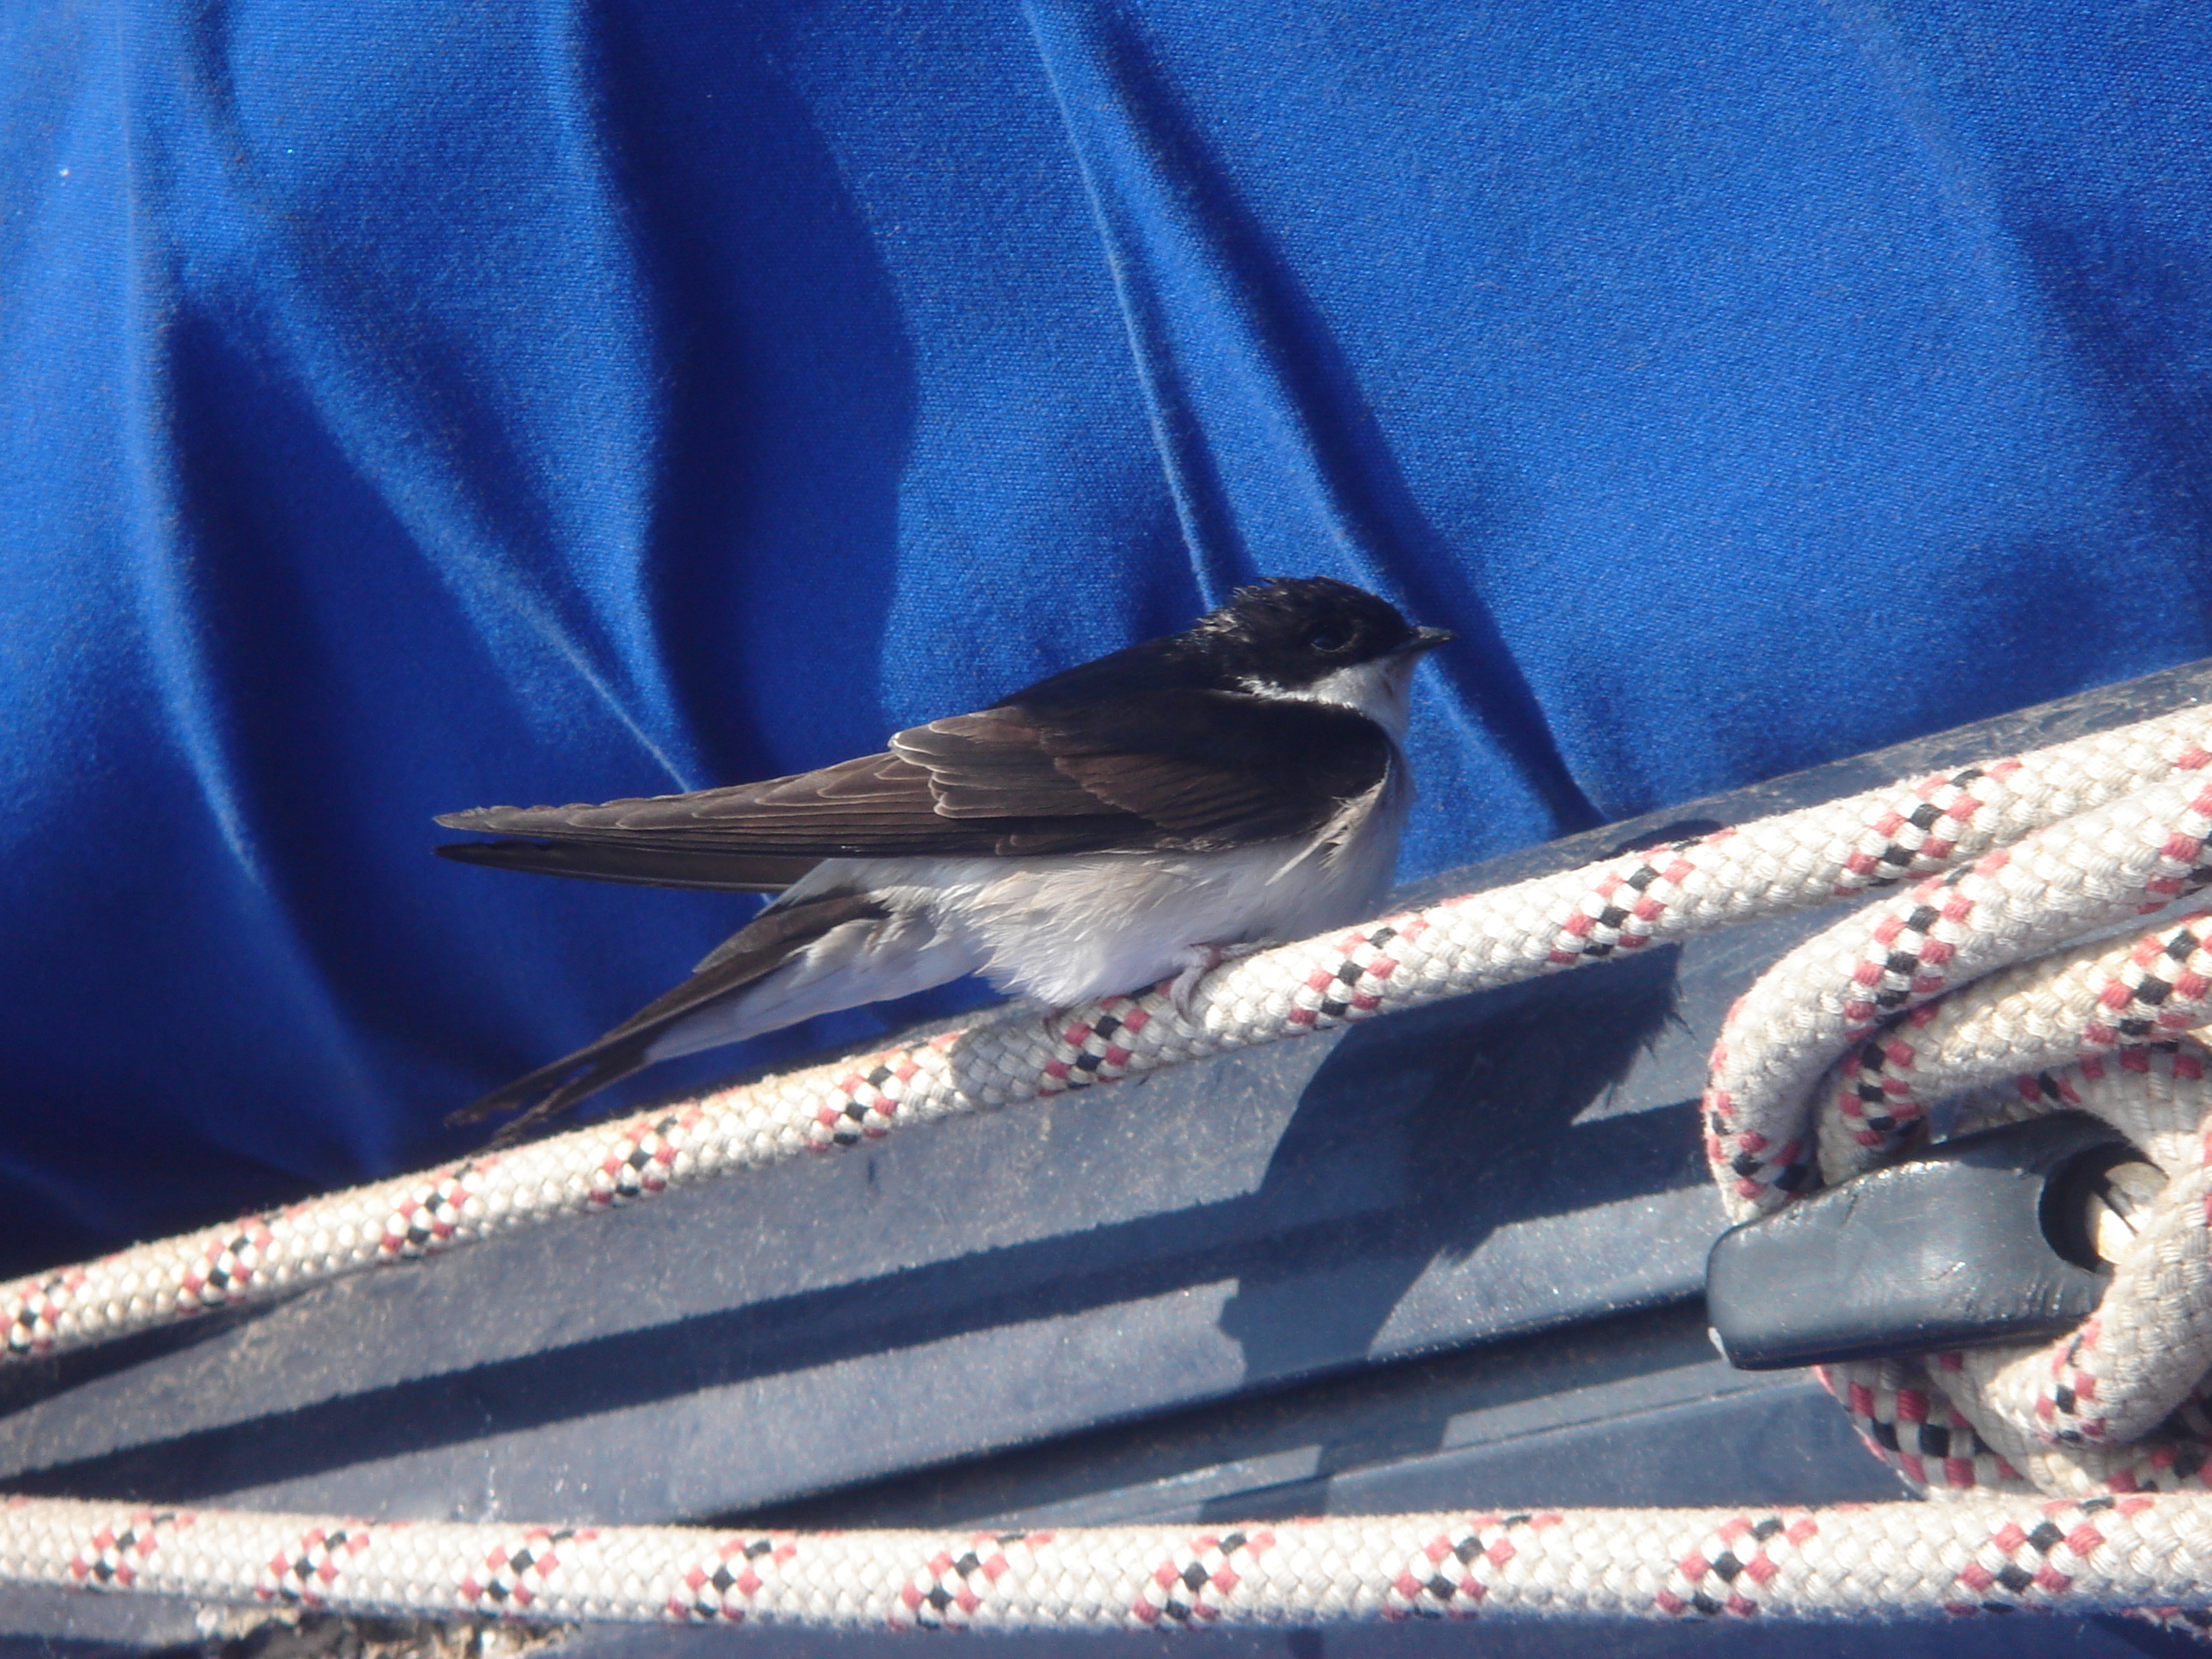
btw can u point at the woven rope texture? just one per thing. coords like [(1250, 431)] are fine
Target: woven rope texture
[(2143, 773), (1968, 984), (1881, 1560)]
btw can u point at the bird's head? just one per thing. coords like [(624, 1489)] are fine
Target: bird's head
[(1318, 640)]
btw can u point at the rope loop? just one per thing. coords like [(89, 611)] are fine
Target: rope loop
[(1993, 978), (2105, 1026)]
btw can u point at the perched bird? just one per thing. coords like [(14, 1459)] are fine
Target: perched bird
[(1105, 828)]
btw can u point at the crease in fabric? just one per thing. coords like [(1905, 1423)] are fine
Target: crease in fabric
[(1274, 464)]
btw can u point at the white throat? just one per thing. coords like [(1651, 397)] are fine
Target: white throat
[(1380, 689)]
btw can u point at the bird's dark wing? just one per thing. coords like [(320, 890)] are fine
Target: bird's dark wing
[(1199, 769), (641, 866), (750, 835), (1178, 768)]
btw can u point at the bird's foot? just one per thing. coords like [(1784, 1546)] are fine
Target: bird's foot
[(1197, 962)]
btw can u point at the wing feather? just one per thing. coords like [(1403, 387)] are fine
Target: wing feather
[(1174, 769)]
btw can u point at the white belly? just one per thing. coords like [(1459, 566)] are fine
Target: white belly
[(1061, 928), (1068, 927)]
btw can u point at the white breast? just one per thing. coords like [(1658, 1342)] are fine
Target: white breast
[(1381, 690), (1066, 929)]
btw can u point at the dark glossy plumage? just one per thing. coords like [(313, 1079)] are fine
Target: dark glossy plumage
[(1078, 762), (1257, 728)]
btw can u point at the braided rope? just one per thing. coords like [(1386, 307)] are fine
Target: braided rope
[(2011, 857), (1788, 861), (1880, 1560), (2117, 1006), (2060, 1013), (2014, 901), (2117, 1405)]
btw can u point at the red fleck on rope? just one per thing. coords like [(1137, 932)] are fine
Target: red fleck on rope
[(1674, 1566), (1966, 982), (2135, 781)]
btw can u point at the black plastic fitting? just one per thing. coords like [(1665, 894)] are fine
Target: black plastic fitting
[(1983, 1239)]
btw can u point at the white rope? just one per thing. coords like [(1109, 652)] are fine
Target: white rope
[(2114, 1405), (2101, 1027), (1881, 1560), (2038, 850), (2078, 873), (1786, 862)]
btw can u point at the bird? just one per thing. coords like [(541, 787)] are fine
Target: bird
[(1128, 822)]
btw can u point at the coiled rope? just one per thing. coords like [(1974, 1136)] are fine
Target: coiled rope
[(1833, 1061), (1468, 944)]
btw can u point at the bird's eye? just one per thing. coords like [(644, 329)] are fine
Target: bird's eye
[(1330, 639)]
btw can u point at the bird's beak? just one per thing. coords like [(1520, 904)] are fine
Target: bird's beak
[(1426, 638)]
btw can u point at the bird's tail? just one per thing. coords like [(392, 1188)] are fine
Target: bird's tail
[(772, 938)]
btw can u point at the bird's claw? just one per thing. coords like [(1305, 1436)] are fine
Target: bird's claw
[(1199, 961)]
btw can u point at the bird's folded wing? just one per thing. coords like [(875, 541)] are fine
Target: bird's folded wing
[(876, 806), (637, 866), (1180, 769), (1197, 768)]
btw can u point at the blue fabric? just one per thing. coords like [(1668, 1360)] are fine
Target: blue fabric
[(420, 406)]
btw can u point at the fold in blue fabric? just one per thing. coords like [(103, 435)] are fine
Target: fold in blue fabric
[(411, 407)]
